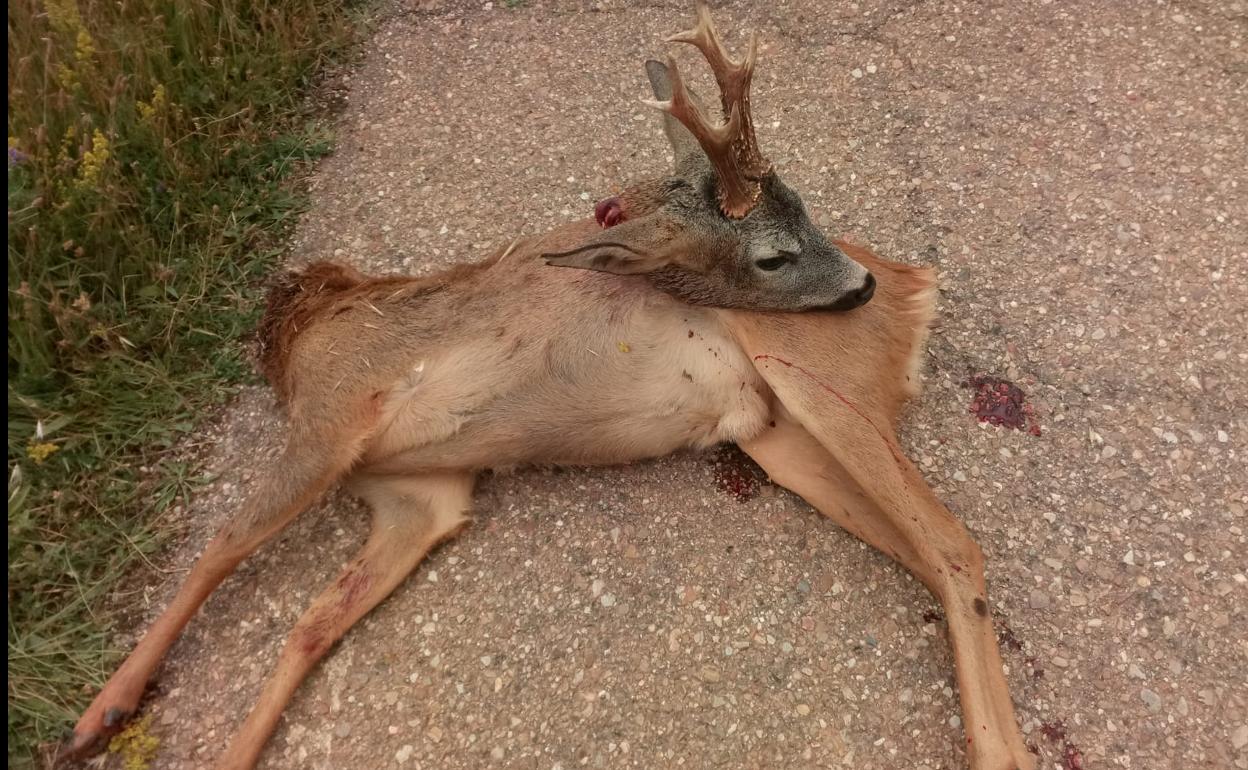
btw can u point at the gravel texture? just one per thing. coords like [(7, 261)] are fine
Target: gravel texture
[(1076, 171)]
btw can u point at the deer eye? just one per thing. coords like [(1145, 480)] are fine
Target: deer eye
[(771, 263)]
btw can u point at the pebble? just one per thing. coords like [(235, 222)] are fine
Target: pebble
[(1151, 699), (404, 753), (1239, 738), (1038, 600), (707, 674)]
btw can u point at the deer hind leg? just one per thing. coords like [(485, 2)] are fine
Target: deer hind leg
[(410, 517), (317, 454), (927, 540)]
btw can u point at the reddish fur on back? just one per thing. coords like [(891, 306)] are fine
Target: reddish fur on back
[(294, 300), (299, 299)]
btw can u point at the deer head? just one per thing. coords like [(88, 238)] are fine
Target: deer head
[(726, 231)]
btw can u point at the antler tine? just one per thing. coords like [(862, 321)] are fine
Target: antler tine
[(737, 191), (706, 39), (747, 164)]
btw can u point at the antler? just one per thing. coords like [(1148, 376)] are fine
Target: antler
[(731, 147)]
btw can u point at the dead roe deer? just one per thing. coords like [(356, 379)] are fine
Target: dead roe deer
[(405, 388)]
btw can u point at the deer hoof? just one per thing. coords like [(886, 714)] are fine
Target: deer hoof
[(92, 733)]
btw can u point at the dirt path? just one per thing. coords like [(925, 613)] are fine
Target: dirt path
[(1077, 173)]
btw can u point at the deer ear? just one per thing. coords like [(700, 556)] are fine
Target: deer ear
[(688, 154), (615, 258), (640, 245)]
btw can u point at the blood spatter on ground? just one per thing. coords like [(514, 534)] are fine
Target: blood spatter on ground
[(1006, 637), (1001, 402), (735, 473), (1055, 731)]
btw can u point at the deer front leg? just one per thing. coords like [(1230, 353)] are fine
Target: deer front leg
[(410, 517), (893, 510)]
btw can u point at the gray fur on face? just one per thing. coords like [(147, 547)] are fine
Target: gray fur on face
[(773, 258)]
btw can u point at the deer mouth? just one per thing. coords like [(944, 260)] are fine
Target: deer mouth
[(854, 298)]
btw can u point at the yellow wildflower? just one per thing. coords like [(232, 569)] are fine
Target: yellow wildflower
[(93, 160), (63, 15), (136, 745), (84, 46), (149, 110), (66, 77), (41, 451)]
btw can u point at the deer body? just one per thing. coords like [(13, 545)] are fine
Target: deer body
[(703, 312), (589, 369)]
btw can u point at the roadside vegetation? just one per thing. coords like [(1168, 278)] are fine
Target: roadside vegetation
[(151, 149)]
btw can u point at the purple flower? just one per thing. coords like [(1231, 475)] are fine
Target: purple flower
[(17, 157)]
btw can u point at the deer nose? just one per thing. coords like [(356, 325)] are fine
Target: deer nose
[(856, 297)]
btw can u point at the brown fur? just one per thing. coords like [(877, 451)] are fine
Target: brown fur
[(299, 298), (293, 301)]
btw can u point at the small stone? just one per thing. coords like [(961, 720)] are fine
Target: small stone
[(1151, 699), (497, 752), (1124, 161), (708, 674), (1129, 557), (596, 588), (857, 73), (608, 600), (403, 754), (803, 709), (1239, 738), (1038, 600), (1059, 661), (342, 730), (434, 733), (803, 586), (1134, 672)]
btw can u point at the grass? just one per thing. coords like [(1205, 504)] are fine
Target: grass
[(150, 149)]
